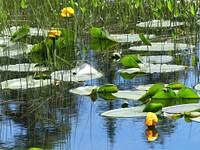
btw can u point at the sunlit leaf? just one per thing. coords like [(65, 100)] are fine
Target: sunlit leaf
[(130, 61), (152, 107), (144, 39), (20, 33), (129, 94), (169, 5), (192, 9), (187, 93), (107, 88), (85, 90), (175, 85), (137, 3)]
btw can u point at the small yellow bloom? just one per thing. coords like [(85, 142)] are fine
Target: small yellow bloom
[(151, 119), (67, 12), (152, 134), (54, 33)]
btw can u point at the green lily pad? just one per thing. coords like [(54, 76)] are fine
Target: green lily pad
[(125, 112), (5, 41), (107, 88), (129, 94), (24, 83), (180, 109), (82, 72), (187, 93), (175, 85), (23, 67), (85, 90), (159, 24), (161, 46)]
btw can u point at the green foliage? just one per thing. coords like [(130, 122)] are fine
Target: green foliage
[(107, 88), (187, 93), (34, 148), (24, 4), (20, 33), (144, 39), (102, 44), (153, 107), (175, 85), (130, 61)]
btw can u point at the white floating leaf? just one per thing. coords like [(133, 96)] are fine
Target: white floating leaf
[(129, 94), (197, 87), (25, 67), (125, 112), (85, 90), (4, 41), (196, 119), (82, 72), (161, 46), (159, 24), (128, 37), (180, 109), (24, 83), (156, 59), (15, 50), (153, 68)]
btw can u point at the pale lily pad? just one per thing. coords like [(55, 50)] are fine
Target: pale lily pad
[(196, 119), (24, 83), (25, 67), (180, 109), (82, 72), (159, 24), (122, 38), (4, 41), (197, 87), (85, 90), (129, 94), (143, 87), (160, 59), (125, 112), (162, 47), (15, 50), (153, 68)]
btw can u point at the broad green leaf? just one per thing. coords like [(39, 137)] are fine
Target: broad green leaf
[(137, 3), (144, 39), (153, 107), (169, 5), (102, 44), (187, 93), (20, 33), (100, 33), (165, 93), (192, 9), (175, 85), (107, 88), (24, 4), (125, 112), (130, 61), (107, 96)]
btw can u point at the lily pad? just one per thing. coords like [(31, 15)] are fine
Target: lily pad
[(82, 72), (159, 24), (125, 112), (129, 94), (24, 67), (5, 41), (123, 38), (153, 68), (160, 59), (196, 119), (197, 87), (180, 109), (24, 83), (85, 90), (162, 47)]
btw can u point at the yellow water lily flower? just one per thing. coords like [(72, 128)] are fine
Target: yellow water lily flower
[(151, 119), (54, 33), (152, 134), (67, 12)]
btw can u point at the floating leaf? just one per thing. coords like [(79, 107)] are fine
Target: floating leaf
[(187, 93), (180, 109), (85, 90), (175, 85), (144, 39), (102, 44), (197, 119), (20, 33), (130, 61), (126, 112), (107, 88), (158, 59), (129, 94)]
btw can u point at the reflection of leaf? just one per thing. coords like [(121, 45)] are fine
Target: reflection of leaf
[(107, 96), (152, 107), (22, 32), (102, 44), (175, 85), (107, 88), (144, 39)]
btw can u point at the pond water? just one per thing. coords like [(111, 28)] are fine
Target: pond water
[(52, 118)]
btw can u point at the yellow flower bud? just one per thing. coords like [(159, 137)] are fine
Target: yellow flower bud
[(54, 33), (67, 12), (151, 119)]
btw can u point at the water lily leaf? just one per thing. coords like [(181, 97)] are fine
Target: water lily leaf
[(159, 24), (187, 93), (107, 88), (175, 85), (85, 90), (100, 33), (129, 94), (165, 93), (23, 67), (144, 39), (130, 61), (197, 87), (82, 72), (125, 112), (159, 59), (102, 44), (24, 83), (152, 107), (180, 109), (196, 119), (20, 33), (162, 47)]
